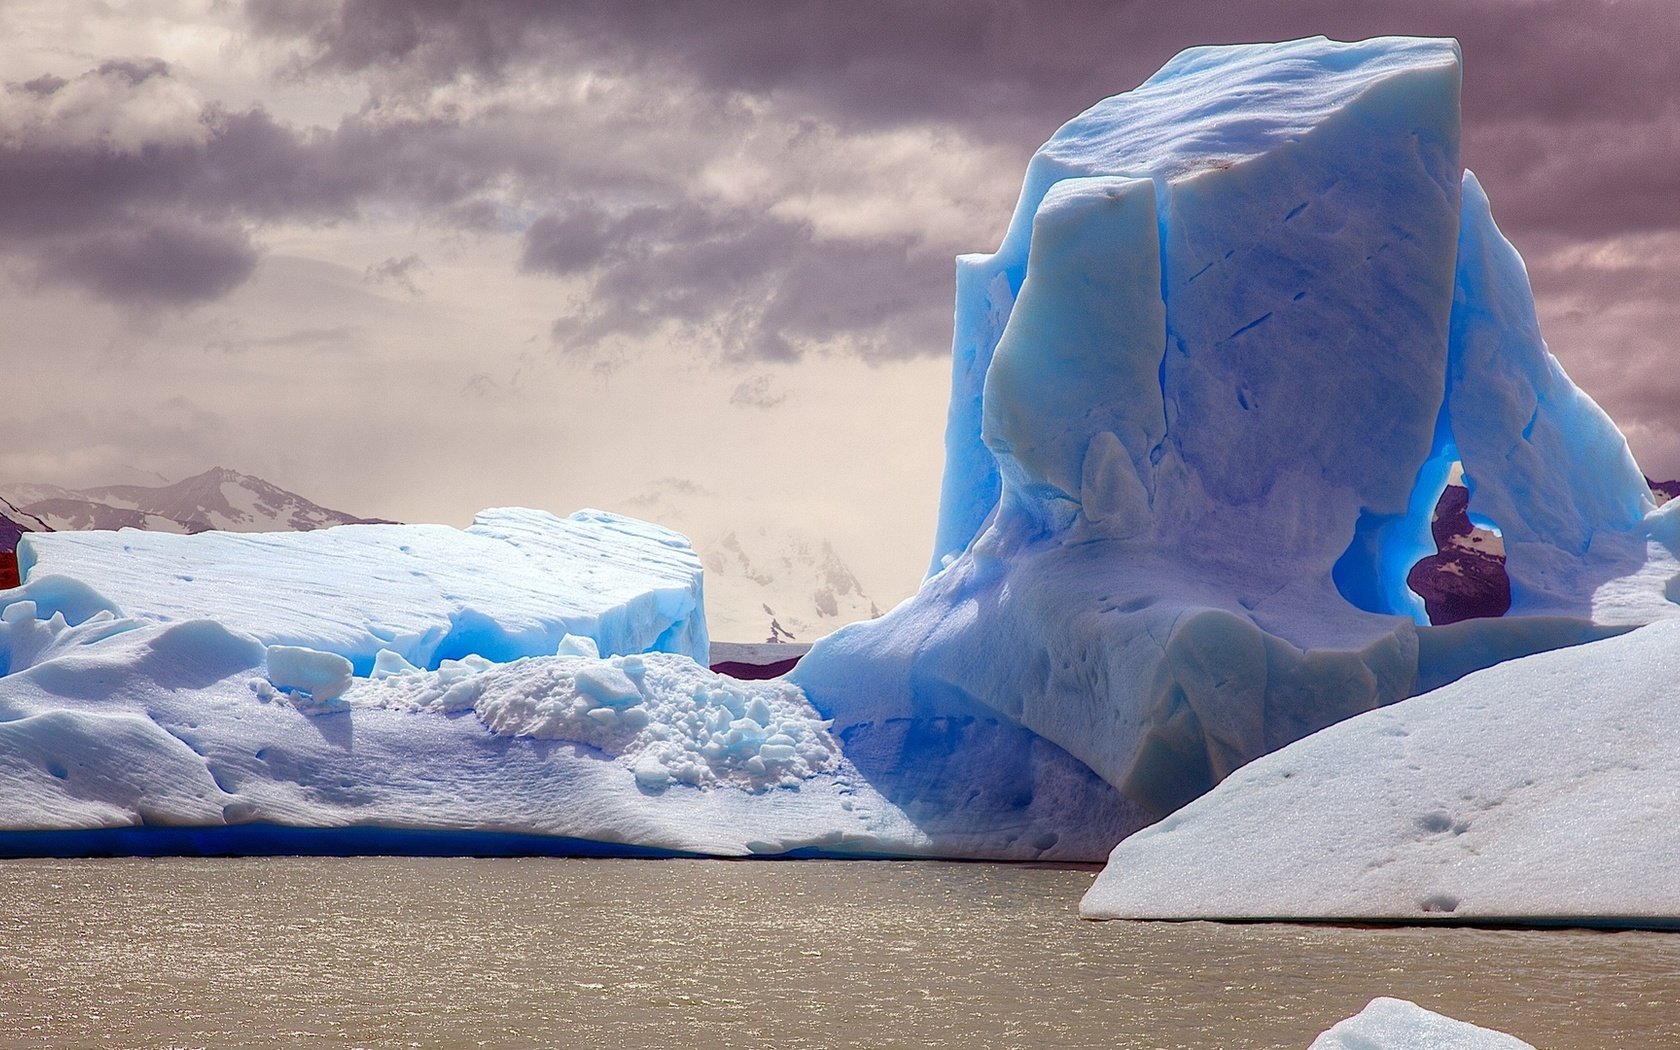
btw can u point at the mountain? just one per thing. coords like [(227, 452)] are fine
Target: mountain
[(778, 582), (218, 499), (765, 581)]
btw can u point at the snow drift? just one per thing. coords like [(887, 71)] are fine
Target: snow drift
[(1541, 790)]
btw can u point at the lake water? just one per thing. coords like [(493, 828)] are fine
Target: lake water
[(405, 952)]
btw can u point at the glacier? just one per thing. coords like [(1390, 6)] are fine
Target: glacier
[(1245, 321)]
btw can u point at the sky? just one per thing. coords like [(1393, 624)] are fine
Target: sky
[(411, 258)]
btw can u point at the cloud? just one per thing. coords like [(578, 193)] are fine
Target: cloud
[(332, 337), (152, 264), (711, 168), (763, 285), (399, 272), (756, 393)]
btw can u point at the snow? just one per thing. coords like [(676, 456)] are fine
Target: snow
[(513, 584), (1541, 790), (1397, 1024), (1244, 323)]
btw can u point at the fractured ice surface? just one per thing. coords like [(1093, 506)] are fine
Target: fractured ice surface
[(511, 585), (1205, 397), (1542, 790), (1398, 1024)]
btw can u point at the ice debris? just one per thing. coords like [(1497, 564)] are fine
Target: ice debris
[(323, 677), (668, 719)]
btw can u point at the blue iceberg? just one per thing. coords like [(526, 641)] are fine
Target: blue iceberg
[(1206, 395)]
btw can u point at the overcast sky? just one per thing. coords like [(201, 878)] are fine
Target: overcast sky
[(411, 258)]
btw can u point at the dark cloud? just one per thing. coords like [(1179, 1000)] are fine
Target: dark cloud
[(1573, 72), (567, 244), (43, 85), (154, 265), (134, 70), (166, 221), (766, 286)]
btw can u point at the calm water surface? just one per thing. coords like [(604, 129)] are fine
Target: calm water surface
[(399, 952)]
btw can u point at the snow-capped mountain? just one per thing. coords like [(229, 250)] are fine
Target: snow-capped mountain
[(218, 499), (765, 581), (778, 583)]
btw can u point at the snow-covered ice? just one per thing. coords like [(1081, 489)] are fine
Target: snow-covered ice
[(1398, 1024), (121, 723), (1540, 790), (513, 584)]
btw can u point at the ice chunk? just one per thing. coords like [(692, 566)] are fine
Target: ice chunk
[(513, 584), (572, 645), (608, 685), (1298, 186), (387, 663), (1397, 1024), (323, 676), (1494, 799)]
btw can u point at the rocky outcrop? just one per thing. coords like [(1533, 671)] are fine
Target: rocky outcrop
[(1465, 578)]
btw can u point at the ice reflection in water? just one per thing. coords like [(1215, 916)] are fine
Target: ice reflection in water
[(395, 952)]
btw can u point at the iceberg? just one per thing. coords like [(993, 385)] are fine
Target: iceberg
[(1397, 1024), (1206, 394), (513, 584), (125, 735), (1540, 791)]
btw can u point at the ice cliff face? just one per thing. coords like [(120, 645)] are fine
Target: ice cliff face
[(1205, 397)]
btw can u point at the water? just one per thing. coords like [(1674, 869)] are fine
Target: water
[(403, 952)]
